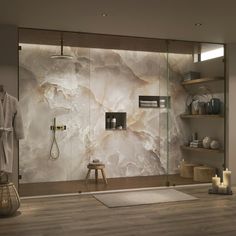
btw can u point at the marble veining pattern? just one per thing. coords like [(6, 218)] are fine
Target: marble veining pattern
[(79, 92)]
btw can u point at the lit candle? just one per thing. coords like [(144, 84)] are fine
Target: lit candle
[(215, 183), (227, 178), (181, 164), (222, 188)]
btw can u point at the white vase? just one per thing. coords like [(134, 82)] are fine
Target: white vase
[(206, 142)]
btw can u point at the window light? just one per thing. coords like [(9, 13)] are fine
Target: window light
[(219, 52)]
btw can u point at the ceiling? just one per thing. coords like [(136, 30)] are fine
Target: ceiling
[(167, 19)]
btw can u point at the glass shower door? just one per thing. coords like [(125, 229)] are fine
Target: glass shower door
[(53, 88), (132, 88)]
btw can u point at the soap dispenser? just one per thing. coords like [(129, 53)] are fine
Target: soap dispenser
[(108, 122), (113, 122)]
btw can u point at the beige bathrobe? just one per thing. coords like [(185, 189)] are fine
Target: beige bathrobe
[(10, 125)]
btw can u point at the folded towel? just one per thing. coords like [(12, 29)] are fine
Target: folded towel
[(148, 105), (195, 145), (196, 142), (152, 102)]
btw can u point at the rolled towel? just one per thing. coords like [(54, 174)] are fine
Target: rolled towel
[(148, 102)]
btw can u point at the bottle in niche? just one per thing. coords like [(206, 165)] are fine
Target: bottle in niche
[(113, 122), (108, 122)]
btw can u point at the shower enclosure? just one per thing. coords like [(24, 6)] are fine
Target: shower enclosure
[(134, 81)]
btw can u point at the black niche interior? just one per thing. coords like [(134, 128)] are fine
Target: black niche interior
[(115, 120)]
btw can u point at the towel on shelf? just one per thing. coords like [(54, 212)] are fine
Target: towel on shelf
[(148, 103), (196, 143), (142, 101)]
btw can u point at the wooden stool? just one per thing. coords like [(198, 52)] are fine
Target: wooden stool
[(96, 167)]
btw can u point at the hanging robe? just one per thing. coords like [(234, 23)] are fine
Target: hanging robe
[(10, 126)]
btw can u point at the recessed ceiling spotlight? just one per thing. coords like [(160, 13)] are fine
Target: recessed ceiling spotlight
[(104, 14), (198, 24)]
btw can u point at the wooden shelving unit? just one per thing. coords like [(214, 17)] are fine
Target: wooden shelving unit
[(204, 86), (202, 80), (201, 150), (186, 116)]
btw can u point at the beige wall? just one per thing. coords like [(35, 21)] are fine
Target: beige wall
[(9, 72), (231, 110)]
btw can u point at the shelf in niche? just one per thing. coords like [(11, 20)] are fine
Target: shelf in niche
[(154, 101), (116, 129), (187, 116), (201, 149), (120, 121), (202, 80)]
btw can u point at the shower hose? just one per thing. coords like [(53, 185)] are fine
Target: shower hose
[(54, 154)]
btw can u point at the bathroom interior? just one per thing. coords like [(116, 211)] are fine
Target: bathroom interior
[(150, 110)]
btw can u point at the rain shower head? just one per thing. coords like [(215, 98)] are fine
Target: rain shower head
[(62, 55)]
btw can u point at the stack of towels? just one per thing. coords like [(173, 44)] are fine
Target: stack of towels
[(148, 103), (196, 144)]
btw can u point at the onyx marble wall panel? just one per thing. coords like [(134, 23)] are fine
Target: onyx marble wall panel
[(78, 92)]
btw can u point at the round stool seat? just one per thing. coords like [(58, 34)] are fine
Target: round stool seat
[(96, 166)]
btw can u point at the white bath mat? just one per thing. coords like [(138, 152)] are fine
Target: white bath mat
[(134, 198)]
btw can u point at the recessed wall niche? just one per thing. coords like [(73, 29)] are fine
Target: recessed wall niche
[(154, 101), (115, 120)]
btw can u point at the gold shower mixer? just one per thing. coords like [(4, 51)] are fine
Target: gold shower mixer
[(55, 127), (62, 127)]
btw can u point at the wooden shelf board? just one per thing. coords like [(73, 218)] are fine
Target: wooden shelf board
[(152, 107), (202, 80), (201, 149), (116, 129), (186, 116), (148, 107)]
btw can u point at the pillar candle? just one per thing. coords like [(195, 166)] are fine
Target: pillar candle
[(227, 178), (215, 183), (222, 188)]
